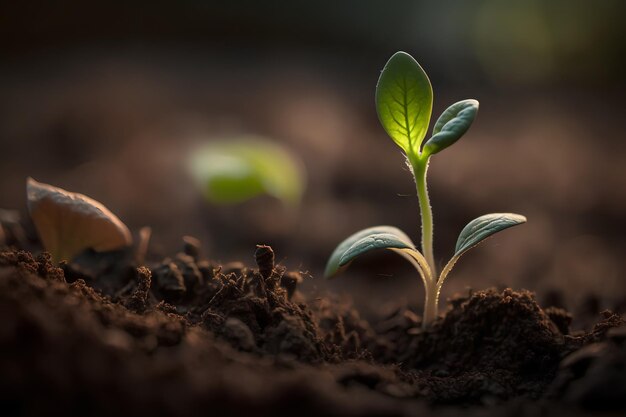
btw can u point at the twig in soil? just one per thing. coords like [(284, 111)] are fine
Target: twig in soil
[(264, 256)]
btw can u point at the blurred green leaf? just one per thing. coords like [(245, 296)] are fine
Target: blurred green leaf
[(404, 101), (234, 171), (451, 125)]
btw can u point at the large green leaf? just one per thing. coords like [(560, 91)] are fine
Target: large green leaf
[(451, 125), (242, 168), (404, 101), (377, 237), (482, 227)]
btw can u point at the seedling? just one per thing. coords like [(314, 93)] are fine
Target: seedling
[(404, 100), (69, 223)]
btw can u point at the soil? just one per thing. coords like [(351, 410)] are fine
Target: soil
[(186, 336)]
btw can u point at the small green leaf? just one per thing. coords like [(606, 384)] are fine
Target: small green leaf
[(475, 232), (482, 227), (372, 242), (451, 125), (334, 262), (237, 170), (404, 101)]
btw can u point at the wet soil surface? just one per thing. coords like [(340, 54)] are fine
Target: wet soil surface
[(189, 337)]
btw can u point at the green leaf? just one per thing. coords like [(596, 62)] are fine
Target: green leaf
[(334, 262), (242, 168), (372, 242), (451, 125), (404, 101), (475, 232), (482, 227)]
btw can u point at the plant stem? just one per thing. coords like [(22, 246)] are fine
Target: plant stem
[(419, 163), (420, 167), (430, 306)]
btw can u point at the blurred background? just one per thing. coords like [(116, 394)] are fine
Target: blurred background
[(111, 100)]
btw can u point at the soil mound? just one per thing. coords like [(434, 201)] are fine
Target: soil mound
[(187, 335)]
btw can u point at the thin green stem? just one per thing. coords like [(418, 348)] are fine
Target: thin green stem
[(430, 305), (420, 168)]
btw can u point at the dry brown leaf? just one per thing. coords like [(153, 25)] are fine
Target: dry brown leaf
[(68, 223)]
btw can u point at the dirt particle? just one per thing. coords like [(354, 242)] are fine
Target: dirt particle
[(169, 280), (264, 256), (238, 334), (192, 247), (560, 317), (139, 298), (192, 277), (290, 281)]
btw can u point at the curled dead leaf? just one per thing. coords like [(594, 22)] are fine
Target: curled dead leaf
[(68, 223)]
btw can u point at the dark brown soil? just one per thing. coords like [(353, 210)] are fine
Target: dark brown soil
[(188, 337)]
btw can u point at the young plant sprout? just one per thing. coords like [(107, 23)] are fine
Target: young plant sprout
[(68, 223), (404, 100)]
